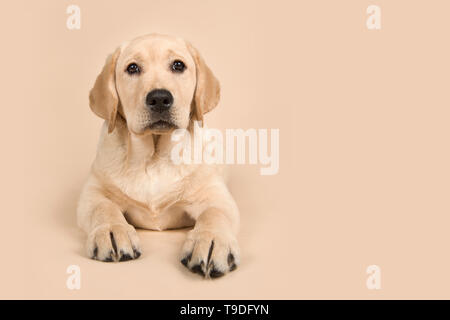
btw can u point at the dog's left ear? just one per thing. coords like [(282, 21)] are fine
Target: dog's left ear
[(207, 89), (103, 98)]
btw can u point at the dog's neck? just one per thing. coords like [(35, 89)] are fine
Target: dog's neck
[(144, 149), (156, 140)]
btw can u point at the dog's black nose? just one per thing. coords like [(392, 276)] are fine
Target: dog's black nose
[(159, 100)]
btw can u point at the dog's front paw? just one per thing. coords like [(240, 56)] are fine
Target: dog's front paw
[(113, 242), (210, 254)]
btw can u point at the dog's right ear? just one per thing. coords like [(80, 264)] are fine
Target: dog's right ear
[(103, 98)]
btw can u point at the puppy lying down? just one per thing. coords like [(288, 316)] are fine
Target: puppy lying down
[(147, 88)]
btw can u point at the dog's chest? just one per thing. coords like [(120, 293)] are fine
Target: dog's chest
[(155, 195), (158, 186)]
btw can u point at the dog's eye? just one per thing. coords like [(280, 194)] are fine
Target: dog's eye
[(178, 66), (133, 68)]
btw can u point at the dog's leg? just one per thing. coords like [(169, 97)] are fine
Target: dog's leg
[(211, 248), (110, 237)]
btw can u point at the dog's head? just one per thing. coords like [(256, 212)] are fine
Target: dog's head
[(157, 83)]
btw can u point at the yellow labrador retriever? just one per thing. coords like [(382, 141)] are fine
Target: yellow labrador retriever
[(147, 88)]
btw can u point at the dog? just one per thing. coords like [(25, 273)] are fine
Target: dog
[(148, 88)]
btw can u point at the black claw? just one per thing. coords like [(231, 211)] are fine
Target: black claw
[(186, 260), (216, 273), (210, 251), (198, 269), (113, 242), (137, 253), (110, 258), (230, 259), (95, 253), (125, 256), (233, 267)]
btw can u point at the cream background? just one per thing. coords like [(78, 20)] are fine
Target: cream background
[(364, 146)]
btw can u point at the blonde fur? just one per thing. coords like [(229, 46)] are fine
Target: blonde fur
[(134, 183)]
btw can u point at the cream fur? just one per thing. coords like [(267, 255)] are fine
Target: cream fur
[(134, 183)]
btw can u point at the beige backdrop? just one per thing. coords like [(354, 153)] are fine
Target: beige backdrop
[(364, 146)]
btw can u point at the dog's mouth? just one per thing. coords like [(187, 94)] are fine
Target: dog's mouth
[(162, 126)]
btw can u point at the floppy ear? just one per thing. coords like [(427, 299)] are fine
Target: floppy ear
[(207, 90), (103, 98)]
